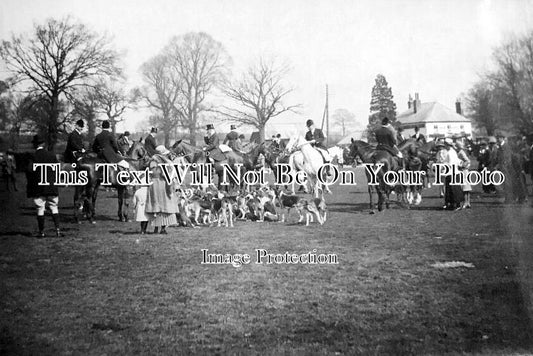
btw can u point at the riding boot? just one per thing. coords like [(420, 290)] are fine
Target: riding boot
[(55, 217), (156, 230), (164, 230), (40, 224)]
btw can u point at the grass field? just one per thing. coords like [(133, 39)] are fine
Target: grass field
[(104, 289)]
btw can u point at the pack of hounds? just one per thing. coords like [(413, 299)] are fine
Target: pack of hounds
[(214, 207)]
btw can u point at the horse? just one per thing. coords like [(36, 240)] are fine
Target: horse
[(369, 154), (307, 159), (337, 155), (85, 196), (193, 154)]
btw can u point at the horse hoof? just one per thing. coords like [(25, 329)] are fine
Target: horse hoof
[(372, 212), (93, 222)]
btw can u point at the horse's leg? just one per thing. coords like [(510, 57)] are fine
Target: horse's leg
[(78, 203), (92, 203), (120, 194)]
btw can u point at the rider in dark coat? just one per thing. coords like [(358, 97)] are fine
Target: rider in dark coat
[(386, 138), (418, 136), (315, 135), (212, 142), (149, 142), (231, 137), (105, 145), (74, 143)]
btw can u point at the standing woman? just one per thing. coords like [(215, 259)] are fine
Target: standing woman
[(464, 167), (161, 201), (453, 194)]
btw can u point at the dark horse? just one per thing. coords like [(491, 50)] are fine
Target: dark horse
[(85, 196), (369, 154)]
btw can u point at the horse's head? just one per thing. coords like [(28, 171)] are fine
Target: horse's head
[(137, 151)]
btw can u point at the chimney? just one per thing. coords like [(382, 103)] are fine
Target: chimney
[(416, 103), (458, 107), (410, 102)]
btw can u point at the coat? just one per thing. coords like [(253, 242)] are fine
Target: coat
[(139, 204), (33, 177), (105, 145), (420, 138), (161, 197), (212, 144), (150, 145), (318, 136), (231, 138), (386, 138), (124, 145), (74, 144)]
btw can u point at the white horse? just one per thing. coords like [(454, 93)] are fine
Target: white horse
[(336, 152), (306, 158)]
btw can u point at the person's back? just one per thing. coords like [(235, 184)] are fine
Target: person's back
[(385, 137)]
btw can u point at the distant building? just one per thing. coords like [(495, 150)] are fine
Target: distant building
[(434, 119)]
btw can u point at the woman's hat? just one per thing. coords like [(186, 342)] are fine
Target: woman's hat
[(448, 141), (162, 150), (439, 143), (209, 127), (492, 139)]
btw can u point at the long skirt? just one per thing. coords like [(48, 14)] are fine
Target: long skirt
[(162, 219), (453, 194), (466, 187)]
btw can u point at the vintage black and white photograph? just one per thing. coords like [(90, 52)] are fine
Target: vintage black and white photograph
[(297, 177)]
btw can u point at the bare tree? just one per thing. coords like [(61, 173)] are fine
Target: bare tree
[(87, 106), (60, 56), (260, 94), (114, 100), (344, 119), (200, 63), (161, 92)]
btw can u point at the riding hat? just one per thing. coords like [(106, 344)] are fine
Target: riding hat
[(105, 124), (385, 121), (80, 123), (233, 127), (209, 127), (309, 123), (153, 130), (162, 150), (241, 136), (439, 143), (126, 133), (278, 136)]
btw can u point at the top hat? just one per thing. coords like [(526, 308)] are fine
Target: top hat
[(153, 130), (80, 123), (209, 127), (105, 124), (233, 127)]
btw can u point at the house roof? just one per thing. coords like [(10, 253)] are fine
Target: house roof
[(430, 112)]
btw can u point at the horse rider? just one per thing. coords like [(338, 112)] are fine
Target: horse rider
[(400, 137), (418, 136), (237, 146), (231, 137), (211, 149), (149, 142), (386, 138), (316, 137), (124, 143), (277, 144), (106, 147), (75, 145)]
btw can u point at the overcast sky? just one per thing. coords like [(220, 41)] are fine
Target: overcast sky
[(433, 47)]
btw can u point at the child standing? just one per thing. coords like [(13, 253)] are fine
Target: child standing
[(139, 204)]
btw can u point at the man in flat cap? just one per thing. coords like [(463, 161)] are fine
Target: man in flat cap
[(231, 137), (106, 147), (211, 145), (43, 195), (75, 146), (150, 143)]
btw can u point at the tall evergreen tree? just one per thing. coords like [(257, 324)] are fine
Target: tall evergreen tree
[(381, 104)]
